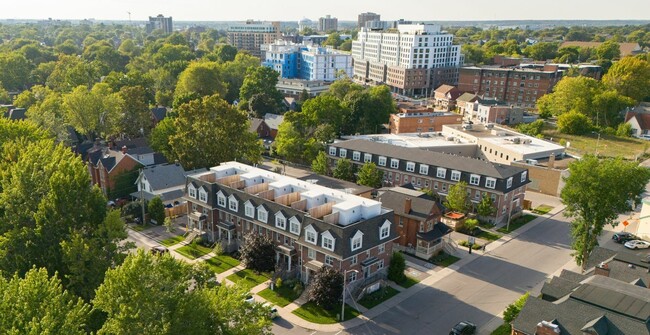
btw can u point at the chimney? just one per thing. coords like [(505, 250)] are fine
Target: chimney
[(551, 161), (407, 205), (124, 149), (602, 269), (547, 328)]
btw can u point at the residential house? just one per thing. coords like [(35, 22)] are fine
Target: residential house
[(312, 225), (639, 119), (462, 103), (445, 97), (290, 103), (506, 185), (166, 181), (273, 121), (14, 113), (499, 113), (418, 220), (158, 114), (261, 128)]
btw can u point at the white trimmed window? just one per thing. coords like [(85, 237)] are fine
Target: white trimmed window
[(490, 182), (357, 240), (356, 156), (233, 204), (294, 226), (381, 248), (191, 190), (262, 214), (384, 230), (311, 253), (280, 221), (354, 260), (343, 152), (424, 169), (410, 166), (311, 235), (221, 199), (474, 179), (352, 276), (367, 158), (455, 175), (441, 173), (332, 151), (394, 163), (524, 176), (382, 161), (327, 241), (509, 183), (329, 260), (249, 209), (203, 195)]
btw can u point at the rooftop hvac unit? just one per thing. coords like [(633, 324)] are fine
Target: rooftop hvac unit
[(450, 138), (527, 141), (489, 126), (516, 140), (467, 126)]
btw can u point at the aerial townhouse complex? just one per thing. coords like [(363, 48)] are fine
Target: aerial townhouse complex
[(311, 225), (412, 60), (437, 171)]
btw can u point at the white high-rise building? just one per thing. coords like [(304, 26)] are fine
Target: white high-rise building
[(412, 61), (306, 61)]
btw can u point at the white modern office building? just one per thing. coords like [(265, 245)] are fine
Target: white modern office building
[(413, 60)]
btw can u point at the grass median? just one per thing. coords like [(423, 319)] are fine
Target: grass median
[(316, 314)]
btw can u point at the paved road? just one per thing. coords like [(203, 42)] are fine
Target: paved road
[(478, 291)]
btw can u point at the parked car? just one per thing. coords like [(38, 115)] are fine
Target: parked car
[(273, 313), (623, 237), (463, 328), (637, 244), (159, 250)]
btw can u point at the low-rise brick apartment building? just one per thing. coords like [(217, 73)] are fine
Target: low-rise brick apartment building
[(505, 184), (311, 225), (417, 119)]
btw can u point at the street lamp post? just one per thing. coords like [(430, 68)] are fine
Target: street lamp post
[(344, 284), (597, 141)]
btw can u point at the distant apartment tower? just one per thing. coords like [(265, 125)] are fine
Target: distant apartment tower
[(160, 22), (367, 17), (251, 35), (306, 61), (328, 23), (412, 61)]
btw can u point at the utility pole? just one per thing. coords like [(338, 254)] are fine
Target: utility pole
[(144, 221), (344, 282)]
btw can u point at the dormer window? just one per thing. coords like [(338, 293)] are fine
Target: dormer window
[(191, 190), (203, 195), (262, 214), (384, 230), (249, 209), (280, 221), (221, 199), (311, 235), (356, 241), (294, 226), (327, 241), (233, 204)]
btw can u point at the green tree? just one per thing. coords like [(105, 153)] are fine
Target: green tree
[(93, 112), (590, 207), (71, 72), (344, 170), (234, 72), (209, 131), (570, 93), (457, 199), (15, 71), (258, 92), (333, 40), (624, 130), (512, 311), (608, 106), (202, 78), (397, 267), (574, 123), (225, 53), (533, 129), (326, 287), (38, 304), (630, 76), (150, 294), (346, 45), (320, 164), (135, 120), (542, 51), (156, 210), (258, 253), (485, 207), (369, 175), (609, 50), (160, 136), (124, 183)]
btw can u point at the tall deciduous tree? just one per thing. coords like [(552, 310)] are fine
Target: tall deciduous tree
[(485, 207), (369, 175), (202, 78), (93, 112), (38, 304), (457, 200), (160, 136), (209, 131), (596, 192), (344, 170), (631, 77), (326, 287), (258, 92), (320, 164), (150, 294), (258, 253), (135, 120), (570, 93)]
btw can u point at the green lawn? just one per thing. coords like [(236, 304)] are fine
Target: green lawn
[(446, 261), (140, 227), (410, 281), (248, 278), (542, 209), (282, 296), (610, 146), (488, 235), (168, 242), (193, 251), (517, 223), (504, 329), (221, 263), (316, 314), (373, 299)]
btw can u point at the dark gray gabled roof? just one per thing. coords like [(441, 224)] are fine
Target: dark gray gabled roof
[(557, 288), (273, 120), (159, 113), (616, 296), (164, 176), (432, 158), (439, 230), (255, 123), (421, 208), (599, 255)]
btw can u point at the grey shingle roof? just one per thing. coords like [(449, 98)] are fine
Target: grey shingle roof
[(255, 123), (439, 230), (164, 176), (614, 295), (159, 113), (273, 120), (557, 288), (420, 208)]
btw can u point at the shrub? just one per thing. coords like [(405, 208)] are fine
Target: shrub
[(624, 130), (574, 123), (326, 287), (471, 224), (396, 268), (217, 249), (278, 282), (511, 312)]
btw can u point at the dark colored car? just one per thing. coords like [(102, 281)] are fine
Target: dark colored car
[(159, 250), (623, 237), (463, 328)]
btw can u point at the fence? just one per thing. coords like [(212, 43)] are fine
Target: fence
[(176, 211)]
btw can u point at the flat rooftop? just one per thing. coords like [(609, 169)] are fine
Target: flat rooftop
[(503, 137), (414, 140)]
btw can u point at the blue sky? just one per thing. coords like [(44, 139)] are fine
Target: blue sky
[(293, 10)]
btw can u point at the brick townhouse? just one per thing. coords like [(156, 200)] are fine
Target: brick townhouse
[(505, 184), (311, 225)]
